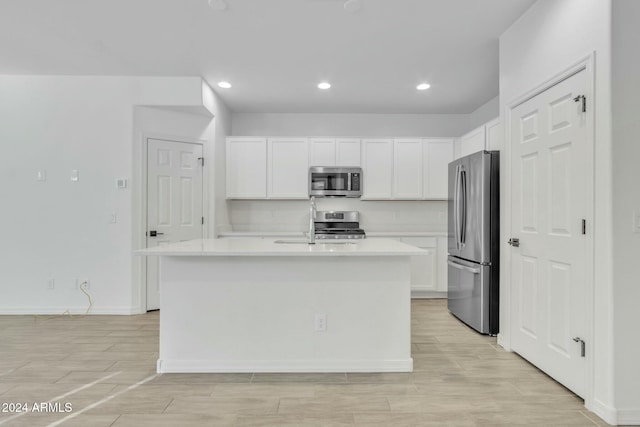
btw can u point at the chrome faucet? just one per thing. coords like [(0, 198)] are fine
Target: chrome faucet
[(312, 219)]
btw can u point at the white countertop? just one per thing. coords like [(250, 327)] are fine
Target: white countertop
[(268, 247), (389, 234)]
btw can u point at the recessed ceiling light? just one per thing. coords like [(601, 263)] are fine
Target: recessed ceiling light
[(423, 86), (324, 86), (224, 85), (218, 4), (352, 6)]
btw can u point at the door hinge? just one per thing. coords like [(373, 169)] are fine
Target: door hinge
[(583, 99), (201, 160), (202, 220), (584, 226), (582, 345)]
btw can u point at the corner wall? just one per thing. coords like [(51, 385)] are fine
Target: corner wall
[(551, 36), (626, 203), (61, 229)]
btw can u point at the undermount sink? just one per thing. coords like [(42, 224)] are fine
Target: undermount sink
[(330, 242)]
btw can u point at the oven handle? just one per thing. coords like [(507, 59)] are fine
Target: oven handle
[(464, 267)]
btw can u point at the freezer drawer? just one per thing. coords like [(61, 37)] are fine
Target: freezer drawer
[(472, 297)]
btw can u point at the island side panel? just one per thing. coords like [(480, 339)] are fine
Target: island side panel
[(257, 314)]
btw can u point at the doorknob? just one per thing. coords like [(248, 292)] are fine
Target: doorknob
[(515, 242), (154, 233)]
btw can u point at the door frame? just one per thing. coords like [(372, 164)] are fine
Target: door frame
[(586, 64), (139, 233)]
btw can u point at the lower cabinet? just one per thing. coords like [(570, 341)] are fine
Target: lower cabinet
[(428, 271)]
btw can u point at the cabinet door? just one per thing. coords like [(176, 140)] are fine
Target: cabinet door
[(407, 169), (438, 153), (288, 168), (473, 142), (246, 168), (322, 152), (377, 168), (347, 152), (423, 267), (494, 135), (441, 264)]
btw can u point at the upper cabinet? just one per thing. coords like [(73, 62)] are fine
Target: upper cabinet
[(407, 169), (438, 153), (393, 169), (347, 152), (486, 137), (334, 152), (471, 142), (246, 168), (377, 168), (287, 168)]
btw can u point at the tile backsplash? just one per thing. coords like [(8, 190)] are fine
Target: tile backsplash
[(292, 215)]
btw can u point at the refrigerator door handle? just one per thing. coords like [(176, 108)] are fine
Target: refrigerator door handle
[(464, 267), (463, 219), (455, 207)]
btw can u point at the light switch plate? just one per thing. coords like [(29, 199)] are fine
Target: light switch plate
[(121, 183), (75, 175), (41, 175)]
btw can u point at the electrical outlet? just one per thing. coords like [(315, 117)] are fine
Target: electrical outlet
[(51, 283), (321, 322), (83, 283)]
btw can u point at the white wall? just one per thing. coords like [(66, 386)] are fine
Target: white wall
[(369, 125), (551, 36), (484, 113), (293, 215), (58, 228), (626, 201)]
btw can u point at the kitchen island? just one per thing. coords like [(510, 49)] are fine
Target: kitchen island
[(263, 305)]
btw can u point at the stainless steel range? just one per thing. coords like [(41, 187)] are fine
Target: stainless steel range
[(338, 225)]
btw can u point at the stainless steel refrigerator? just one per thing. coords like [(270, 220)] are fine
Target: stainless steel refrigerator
[(473, 234)]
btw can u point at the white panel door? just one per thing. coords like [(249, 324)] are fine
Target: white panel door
[(246, 168), (288, 168), (174, 201), (322, 152), (548, 158), (407, 169), (377, 168), (347, 152), (438, 153)]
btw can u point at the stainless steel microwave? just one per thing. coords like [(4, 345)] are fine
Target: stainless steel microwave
[(331, 181)]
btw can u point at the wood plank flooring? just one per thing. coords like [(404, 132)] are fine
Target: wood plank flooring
[(104, 367)]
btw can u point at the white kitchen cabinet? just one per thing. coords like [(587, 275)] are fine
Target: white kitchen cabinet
[(424, 268), (322, 151), (287, 168), (441, 261), (347, 152), (334, 152), (246, 168), (494, 135), (472, 142), (438, 153), (407, 169), (377, 168)]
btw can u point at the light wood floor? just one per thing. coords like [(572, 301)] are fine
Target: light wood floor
[(104, 366)]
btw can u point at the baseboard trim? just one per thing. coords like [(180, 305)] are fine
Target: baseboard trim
[(245, 366), (629, 417), (607, 413), (420, 294), (74, 311)]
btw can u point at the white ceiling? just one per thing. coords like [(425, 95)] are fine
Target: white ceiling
[(275, 52)]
